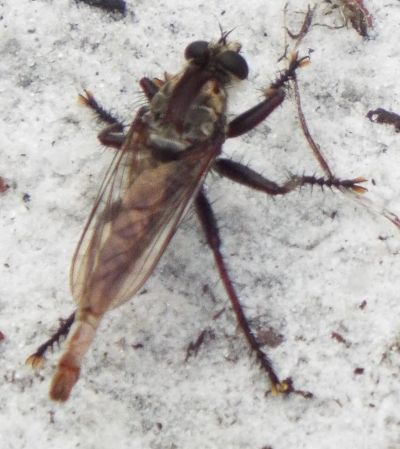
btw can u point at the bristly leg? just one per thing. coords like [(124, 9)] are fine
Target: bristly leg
[(36, 360), (102, 114), (112, 136), (274, 96), (348, 187), (210, 228), (290, 73), (246, 176), (150, 87)]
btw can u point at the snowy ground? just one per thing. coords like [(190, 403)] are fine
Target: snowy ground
[(306, 265)]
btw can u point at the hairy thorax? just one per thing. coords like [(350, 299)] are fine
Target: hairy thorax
[(199, 123)]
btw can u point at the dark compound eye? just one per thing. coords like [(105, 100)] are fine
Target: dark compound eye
[(197, 50), (234, 63)]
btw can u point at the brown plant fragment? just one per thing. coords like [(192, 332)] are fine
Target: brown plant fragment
[(107, 5), (381, 115), (338, 337), (3, 185)]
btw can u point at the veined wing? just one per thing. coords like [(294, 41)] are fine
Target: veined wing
[(139, 206)]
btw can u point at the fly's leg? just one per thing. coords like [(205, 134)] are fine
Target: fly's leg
[(210, 228), (150, 87), (244, 175), (36, 360), (112, 136), (254, 116), (87, 99), (274, 96)]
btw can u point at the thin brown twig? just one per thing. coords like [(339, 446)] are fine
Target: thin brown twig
[(304, 27), (313, 145)]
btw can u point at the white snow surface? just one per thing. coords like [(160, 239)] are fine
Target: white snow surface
[(303, 264)]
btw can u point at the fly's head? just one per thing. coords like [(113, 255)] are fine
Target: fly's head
[(221, 60), (191, 106)]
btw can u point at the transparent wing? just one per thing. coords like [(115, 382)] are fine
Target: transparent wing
[(139, 206)]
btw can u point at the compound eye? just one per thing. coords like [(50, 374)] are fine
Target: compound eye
[(234, 63), (197, 50)]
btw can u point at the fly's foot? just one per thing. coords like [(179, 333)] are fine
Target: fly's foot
[(286, 387), (282, 387), (347, 184), (35, 361)]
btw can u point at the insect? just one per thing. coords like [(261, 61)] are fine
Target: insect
[(155, 177)]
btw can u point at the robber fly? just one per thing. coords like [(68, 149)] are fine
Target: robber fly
[(155, 177)]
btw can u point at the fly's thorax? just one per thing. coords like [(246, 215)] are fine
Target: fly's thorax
[(206, 112)]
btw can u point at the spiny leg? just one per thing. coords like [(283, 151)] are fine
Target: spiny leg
[(36, 360), (87, 99), (244, 175), (248, 177), (150, 87), (112, 135), (274, 96), (210, 228)]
